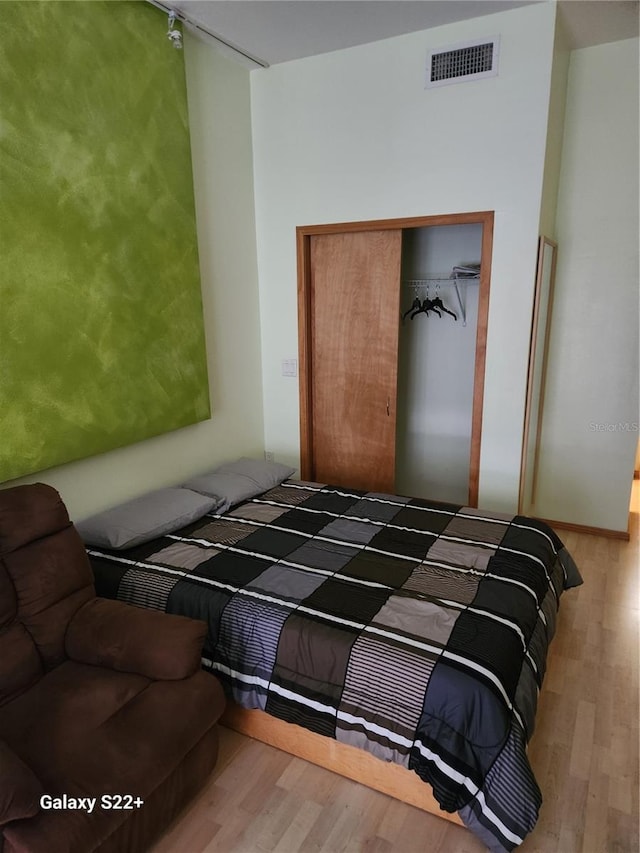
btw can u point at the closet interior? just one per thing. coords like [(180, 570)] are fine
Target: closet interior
[(436, 360)]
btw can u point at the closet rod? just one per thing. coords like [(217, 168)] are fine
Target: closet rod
[(423, 282)]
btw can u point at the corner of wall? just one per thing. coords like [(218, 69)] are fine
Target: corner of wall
[(555, 129)]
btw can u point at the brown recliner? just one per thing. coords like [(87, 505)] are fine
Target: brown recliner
[(97, 698)]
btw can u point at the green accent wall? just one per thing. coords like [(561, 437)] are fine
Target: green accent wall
[(101, 326)]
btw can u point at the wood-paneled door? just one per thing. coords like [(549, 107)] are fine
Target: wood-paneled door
[(354, 352), (348, 318)]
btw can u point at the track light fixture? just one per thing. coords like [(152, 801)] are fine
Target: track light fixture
[(173, 34)]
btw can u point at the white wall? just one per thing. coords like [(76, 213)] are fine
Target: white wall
[(591, 402), (555, 131), (218, 91), (354, 135)]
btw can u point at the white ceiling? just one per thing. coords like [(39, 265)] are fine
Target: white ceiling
[(280, 30)]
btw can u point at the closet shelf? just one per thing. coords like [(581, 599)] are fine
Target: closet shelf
[(438, 281)]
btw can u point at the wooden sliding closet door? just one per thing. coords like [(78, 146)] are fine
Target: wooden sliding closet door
[(353, 354)]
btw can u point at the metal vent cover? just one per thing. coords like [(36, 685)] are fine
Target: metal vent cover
[(471, 60)]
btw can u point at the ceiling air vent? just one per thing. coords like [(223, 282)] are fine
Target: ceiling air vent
[(472, 60)]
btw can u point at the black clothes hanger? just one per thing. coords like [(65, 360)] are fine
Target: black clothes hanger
[(433, 306), (437, 303), (420, 309), (427, 305), (414, 306)]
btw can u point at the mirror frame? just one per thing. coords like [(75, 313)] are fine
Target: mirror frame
[(538, 349)]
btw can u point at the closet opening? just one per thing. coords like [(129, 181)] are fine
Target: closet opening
[(440, 288)]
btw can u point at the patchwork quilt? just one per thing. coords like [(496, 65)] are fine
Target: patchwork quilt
[(413, 629)]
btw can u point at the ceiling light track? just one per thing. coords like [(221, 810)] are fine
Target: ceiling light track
[(180, 16)]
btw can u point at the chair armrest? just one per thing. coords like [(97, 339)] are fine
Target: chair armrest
[(121, 636), (20, 788)]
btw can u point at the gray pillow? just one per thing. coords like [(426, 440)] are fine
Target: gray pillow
[(144, 518), (239, 481)]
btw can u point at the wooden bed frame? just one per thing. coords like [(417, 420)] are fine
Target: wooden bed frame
[(341, 758)]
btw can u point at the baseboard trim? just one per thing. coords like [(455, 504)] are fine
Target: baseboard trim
[(593, 531)]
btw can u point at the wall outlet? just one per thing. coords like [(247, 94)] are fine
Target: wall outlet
[(268, 455)]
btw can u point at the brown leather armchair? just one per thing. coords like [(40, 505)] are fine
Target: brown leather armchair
[(98, 699)]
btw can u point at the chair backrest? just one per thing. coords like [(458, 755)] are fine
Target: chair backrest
[(45, 576)]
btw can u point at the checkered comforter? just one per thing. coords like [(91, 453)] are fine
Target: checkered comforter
[(415, 630)]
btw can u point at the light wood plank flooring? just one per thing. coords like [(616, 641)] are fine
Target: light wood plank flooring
[(584, 751)]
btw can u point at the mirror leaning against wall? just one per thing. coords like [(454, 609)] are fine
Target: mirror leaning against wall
[(538, 349)]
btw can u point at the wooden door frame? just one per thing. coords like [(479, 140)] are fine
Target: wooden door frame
[(304, 233)]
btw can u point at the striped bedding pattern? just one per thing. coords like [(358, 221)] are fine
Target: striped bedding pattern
[(413, 629)]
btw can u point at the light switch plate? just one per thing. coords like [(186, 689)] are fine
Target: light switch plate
[(289, 366)]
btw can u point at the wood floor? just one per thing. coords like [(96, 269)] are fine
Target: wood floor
[(584, 751)]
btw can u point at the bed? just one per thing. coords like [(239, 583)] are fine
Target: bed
[(412, 630)]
